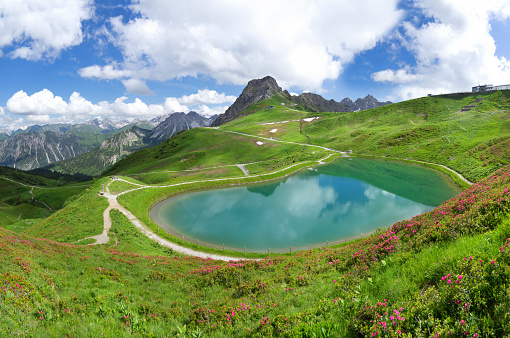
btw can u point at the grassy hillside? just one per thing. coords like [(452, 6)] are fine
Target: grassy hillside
[(472, 140), (81, 218), (201, 149), (24, 196)]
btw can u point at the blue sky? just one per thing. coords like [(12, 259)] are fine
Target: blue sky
[(73, 60)]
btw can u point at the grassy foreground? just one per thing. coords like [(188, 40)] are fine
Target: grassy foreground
[(456, 282)]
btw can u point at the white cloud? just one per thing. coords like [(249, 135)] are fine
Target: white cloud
[(45, 107), (40, 103), (206, 96), (173, 105), (454, 50), (399, 76), (36, 29), (109, 72), (301, 43), (136, 86), (39, 118), (208, 111)]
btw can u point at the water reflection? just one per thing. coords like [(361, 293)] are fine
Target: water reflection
[(307, 208)]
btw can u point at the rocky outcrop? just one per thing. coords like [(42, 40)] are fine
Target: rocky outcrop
[(257, 90), (368, 102), (178, 122), (314, 102), (33, 150)]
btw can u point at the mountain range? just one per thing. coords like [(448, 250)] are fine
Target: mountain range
[(120, 145), (258, 90), (89, 148)]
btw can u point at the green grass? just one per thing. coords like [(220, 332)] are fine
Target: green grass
[(432, 129), (406, 273), (28, 196), (81, 218), (134, 287), (202, 148)]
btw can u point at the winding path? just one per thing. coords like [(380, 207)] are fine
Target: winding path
[(114, 204)]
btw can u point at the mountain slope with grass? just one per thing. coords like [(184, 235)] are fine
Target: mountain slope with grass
[(383, 285), (26, 198), (472, 140)]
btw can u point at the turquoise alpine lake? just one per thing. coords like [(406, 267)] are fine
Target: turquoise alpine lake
[(323, 204)]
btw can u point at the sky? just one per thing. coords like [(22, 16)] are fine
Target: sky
[(69, 61)]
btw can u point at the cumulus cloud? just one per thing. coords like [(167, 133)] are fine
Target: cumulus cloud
[(454, 49), (39, 103), (301, 43), (45, 107), (34, 29), (206, 96), (136, 86)]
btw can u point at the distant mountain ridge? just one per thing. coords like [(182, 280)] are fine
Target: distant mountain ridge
[(368, 102), (258, 90), (128, 141), (33, 150), (178, 122), (41, 146)]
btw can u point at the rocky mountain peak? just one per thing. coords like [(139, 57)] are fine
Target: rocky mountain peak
[(256, 91)]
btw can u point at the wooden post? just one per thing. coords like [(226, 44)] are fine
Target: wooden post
[(268, 252), (290, 249), (310, 247)]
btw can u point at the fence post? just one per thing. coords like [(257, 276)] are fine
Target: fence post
[(268, 252), (290, 249)]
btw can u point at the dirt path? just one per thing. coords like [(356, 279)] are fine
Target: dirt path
[(114, 204), (244, 170)]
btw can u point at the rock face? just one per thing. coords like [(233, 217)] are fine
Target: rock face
[(314, 102), (33, 150), (256, 91), (110, 151), (178, 122), (368, 102)]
